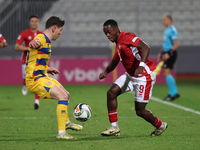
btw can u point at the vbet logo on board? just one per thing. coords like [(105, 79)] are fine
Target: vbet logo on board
[(78, 73)]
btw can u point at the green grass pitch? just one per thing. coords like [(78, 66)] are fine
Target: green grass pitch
[(23, 128)]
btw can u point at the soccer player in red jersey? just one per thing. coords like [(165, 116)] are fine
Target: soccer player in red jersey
[(3, 42), (25, 37), (139, 77)]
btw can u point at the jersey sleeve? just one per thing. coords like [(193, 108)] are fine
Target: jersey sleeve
[(174, 35), (116, 56), (40, 38), (135, 41), (21, 38), (132, 40), (1, 37)]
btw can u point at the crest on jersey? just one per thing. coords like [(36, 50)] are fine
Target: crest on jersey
[(49, 83), (37, 39), (29, 37)]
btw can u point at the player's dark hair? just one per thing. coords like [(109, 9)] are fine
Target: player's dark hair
[(111, 22), (33, 16), (54, 21)]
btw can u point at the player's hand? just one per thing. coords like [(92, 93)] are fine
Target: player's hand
[(52, 71), (138, 71), (165, 56), (34, 44), (102, 75), (159, 57)]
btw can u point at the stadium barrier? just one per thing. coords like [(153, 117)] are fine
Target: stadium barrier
[(72, 71)]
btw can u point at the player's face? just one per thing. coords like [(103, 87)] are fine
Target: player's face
[(56, 32), (34, 22), (165, 20), (111, 32)]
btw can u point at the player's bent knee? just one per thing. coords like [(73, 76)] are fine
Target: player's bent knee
[(139, 113), (58, 93), (111, 94)]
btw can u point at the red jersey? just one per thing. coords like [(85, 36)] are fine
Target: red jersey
[(26, 36), (1, 37), (129, 55)]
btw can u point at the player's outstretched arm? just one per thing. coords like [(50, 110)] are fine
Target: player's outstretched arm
[(52, 71), (34, 44), (3, 44), (112, 65), (144, 56), (18, 47)]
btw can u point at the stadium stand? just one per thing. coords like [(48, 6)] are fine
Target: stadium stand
[(85, 18)]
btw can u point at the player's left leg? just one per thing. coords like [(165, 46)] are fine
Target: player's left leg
[(143, 92), (37, 102), (62, 110), (146, 114), (69, 124)]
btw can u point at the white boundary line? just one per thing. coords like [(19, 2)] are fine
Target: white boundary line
[(175, 105), (172, 104), (32, 118)]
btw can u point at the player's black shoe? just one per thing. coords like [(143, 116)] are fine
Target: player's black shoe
[(36, 106), (169, 98)]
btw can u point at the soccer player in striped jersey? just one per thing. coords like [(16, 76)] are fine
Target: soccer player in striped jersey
[(22, 44), (139, 77), (3, 42), (38, 81)]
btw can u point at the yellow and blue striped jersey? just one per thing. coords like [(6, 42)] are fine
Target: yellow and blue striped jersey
[(38, 58)]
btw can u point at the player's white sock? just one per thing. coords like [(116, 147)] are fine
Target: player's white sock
[(60, 131), (37, 101), (114, 124), (67, 122)]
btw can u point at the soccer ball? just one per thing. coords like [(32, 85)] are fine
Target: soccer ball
[(82, 112)]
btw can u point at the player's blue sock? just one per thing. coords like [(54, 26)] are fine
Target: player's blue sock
[(171, 83)]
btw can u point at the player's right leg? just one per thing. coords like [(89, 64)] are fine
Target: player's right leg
[(24, 88), (120, 86), (143, 91)]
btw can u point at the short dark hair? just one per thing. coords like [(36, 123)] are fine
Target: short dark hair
[(33, 16), (54, 21), (111, 22)]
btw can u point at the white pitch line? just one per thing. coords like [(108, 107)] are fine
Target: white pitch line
[(23, 118), (175, 105), (172, 104)]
